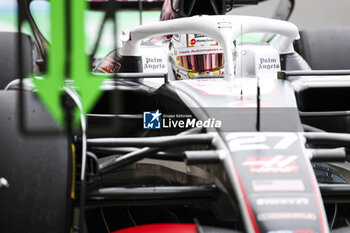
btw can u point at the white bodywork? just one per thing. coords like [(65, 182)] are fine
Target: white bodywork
[(224, 29)]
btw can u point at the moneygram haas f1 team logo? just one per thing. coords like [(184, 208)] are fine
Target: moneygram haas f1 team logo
[(151, 120), (272, 164)]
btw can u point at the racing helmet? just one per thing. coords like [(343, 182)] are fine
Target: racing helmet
[(196, 56)]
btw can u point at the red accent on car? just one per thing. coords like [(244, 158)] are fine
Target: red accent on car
[(109, 66), (161, 228), (253, 222), (317, 196)]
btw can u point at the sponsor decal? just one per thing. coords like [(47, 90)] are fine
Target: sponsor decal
[(287, 215), (109, 66), (199, 51), (282, 201), (196, 40), (198, 35), (4, 183), (151, 120), (278, 185), (268, 64), (272, 164), (153, 64)]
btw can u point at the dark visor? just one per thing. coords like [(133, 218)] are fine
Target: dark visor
[(201, 63)]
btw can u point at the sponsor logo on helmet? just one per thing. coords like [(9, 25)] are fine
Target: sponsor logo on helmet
[(200, 41), (192, 51)]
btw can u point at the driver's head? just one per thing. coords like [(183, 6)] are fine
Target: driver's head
[(193, 55), (173, 9), (196, 56)]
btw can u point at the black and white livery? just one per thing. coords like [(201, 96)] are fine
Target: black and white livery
[(256, 143)]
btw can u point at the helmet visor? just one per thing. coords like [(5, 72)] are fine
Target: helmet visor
[(201, 63)]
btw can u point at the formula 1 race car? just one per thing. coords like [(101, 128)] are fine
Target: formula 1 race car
[(196, 129)]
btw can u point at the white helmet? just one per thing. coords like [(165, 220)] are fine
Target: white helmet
[(196, 56)]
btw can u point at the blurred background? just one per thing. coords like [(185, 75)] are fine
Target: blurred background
[(307, 14)]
